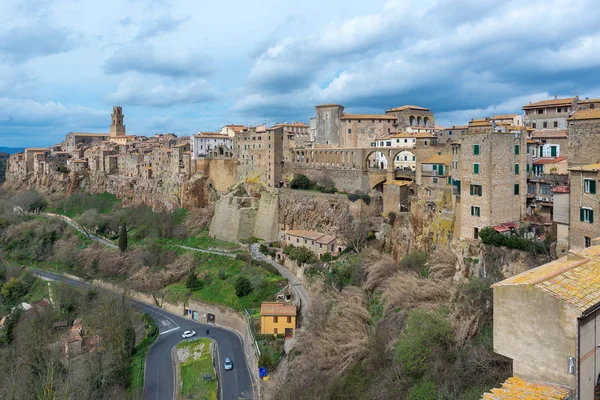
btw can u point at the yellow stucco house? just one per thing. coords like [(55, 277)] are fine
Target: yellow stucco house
[(277, 318)]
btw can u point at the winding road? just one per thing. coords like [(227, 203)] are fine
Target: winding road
[(159, 378)]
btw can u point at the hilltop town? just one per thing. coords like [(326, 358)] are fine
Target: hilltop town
[(523, 183)]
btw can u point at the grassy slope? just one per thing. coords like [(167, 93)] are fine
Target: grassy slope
[(193, 370), (138, 360)]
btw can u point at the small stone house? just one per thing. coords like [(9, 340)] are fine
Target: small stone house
[(318, 243)]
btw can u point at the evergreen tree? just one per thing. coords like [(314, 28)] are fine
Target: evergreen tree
[(123, 238)]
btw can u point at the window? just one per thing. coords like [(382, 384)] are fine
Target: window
[(275, 319), (275, 331), (405, 140), (476, 190), (540, 111), (414, 158), (449, 180), (476, 233), (516, 189), (545, 124), (475, 211), (476, 169), (516, 149), (586, 215), (587, 242), (556, 124), (475, 149), (349, 131), (531, 189), (534, 125), (589, 186), (435, 179), (553, 151), (427, 192), (289, 320), (362, 131), (516, 169)]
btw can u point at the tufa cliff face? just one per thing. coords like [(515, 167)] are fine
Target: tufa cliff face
[(163, 194)]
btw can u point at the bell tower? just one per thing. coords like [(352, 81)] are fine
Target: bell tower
[(117, 127)]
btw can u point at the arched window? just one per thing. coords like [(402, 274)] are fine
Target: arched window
[(419, 121), (426, 121), (411, 121)]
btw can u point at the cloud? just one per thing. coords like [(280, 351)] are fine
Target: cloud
[(141, 92), (161, 61), (427, 53), (22, 112), (22, 43), (158, 26)]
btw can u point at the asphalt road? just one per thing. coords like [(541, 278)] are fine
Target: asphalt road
[(159, 372), (299, 290)]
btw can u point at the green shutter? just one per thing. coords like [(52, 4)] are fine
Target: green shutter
[(472, 211), (593, 187), (553, 151), (516, 169), (449, 180), (471, 188), (435, 167), (441, 169), (581, 214), (527, 168), (591, 216), (476, 168), (516, 149), (480, 190), (516, 188), (476, 149)]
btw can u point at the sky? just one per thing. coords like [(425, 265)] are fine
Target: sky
[(185, 66)]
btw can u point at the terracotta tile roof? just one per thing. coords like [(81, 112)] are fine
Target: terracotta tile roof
[(463, 127), (588, 168), (574, 279), (277, 309), (312, 235), (301, 124), (325, 239), (515, 388), (480, 122), (550, 160), (408, 107), (549, 133), (328, 105), (398, 183), (550, 103), (367, 116), (593, 113), (561, 189), (89, 134), (531, 141), (439, 159)]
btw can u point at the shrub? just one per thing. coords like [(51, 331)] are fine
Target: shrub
[(243, 257), (251, 240), (263, 248), (266, 360), (302, 255), (391, 217), (326, 257), (300, 181), (192, 282), (428, 336), (353, 197), (222, 274), (423, 390), (490, 236), (243, 286), (414, 261)]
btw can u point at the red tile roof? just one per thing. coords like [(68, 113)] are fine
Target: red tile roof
[(562, 189), (550, 103), (277, 309), (549, 160), (549, 133)]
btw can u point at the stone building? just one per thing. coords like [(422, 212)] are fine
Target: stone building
[(583, 133), (327, 124), (588, 104), (549, 114), (360, 130), (584, 224), (492, 177), (448, 135), (260, 153), (208, 144), (318, 243), (412, 118), (231, 130), (546, 320), (434, 177), (74, 140)]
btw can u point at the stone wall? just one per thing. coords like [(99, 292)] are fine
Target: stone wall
[(234, 218), (347, 180), (584, 146), (221, 172), (266, 224)]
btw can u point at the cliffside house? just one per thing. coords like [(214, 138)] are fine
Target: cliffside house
[(318, 243), (547, 320), (277, 318)]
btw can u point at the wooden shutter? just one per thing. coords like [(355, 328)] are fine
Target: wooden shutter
[(581, 214)]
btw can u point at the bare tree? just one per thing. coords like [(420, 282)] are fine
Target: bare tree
[(89, 220), (355, 233)]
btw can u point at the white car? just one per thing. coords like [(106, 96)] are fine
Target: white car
[(228, 364), (188, 334)]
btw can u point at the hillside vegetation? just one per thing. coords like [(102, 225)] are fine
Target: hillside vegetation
[(395, 331), (3, 161)]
